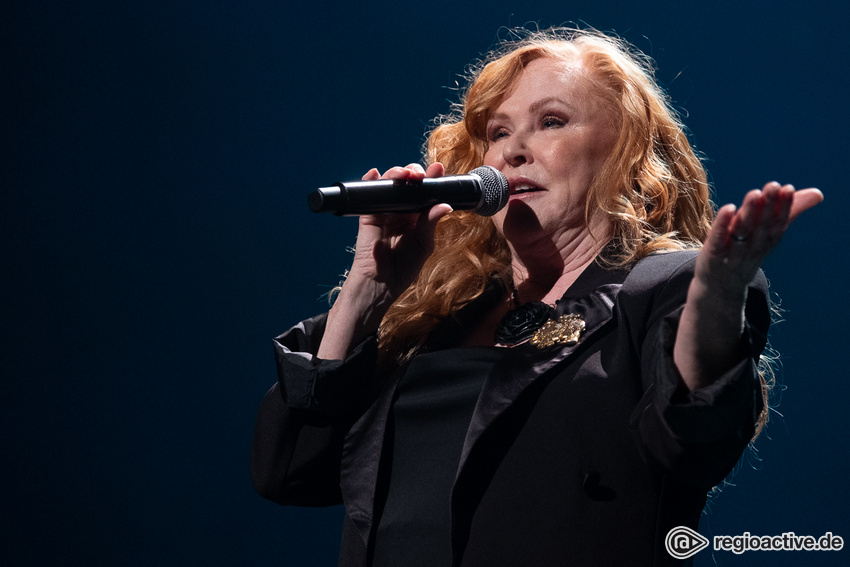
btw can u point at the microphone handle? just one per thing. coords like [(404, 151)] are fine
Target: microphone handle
[(396, 196)]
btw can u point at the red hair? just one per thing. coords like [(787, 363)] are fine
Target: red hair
[(652, 187)]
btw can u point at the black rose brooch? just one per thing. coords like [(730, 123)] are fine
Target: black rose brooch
[(536, 322), (521, 323)]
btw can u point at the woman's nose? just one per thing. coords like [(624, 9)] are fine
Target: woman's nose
[(516, 150)]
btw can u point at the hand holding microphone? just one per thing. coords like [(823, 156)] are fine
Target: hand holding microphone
[(484, 190), (391, 248)]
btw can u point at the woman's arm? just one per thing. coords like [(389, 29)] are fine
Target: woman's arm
[(303, 419), (326, 367), (708, 340)]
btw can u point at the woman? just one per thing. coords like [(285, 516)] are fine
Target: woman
[(560, 384)]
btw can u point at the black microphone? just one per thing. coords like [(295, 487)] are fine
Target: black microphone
[(484, 190)]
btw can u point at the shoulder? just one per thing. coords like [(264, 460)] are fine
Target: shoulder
[(658, 284), (661, 270), (672, 269)]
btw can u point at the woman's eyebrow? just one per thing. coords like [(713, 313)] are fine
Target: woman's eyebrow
[(535, 106), (545, 101)]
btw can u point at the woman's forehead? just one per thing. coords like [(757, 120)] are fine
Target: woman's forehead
[(566, 79)]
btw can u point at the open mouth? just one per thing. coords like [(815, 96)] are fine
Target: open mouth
[(524, 188)]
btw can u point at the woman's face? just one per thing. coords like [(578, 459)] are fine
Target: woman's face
[(549, 136)]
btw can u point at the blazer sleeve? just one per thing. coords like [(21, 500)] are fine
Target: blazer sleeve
[(696, 437), (302, 420)]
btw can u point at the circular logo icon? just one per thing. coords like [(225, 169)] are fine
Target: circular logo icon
[(683, 542)]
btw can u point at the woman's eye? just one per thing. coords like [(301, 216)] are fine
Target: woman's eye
[(552, 122), (497, 134)]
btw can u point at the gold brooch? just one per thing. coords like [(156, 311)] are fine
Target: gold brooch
[(566, 330)]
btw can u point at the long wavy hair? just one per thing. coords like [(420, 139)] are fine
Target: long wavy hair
[(652, 187)]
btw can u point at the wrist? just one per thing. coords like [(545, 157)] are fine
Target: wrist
[(717, 298), (357, 313)]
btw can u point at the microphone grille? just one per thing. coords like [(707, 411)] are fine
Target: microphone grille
[(495, 190)]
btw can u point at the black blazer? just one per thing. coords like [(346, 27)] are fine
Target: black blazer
[(592, 452)]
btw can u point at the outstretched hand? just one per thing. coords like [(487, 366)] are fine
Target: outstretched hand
[(708, 340), (741, 238)]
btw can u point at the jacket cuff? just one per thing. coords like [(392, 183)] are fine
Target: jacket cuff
[(727, 408), (330, 387)]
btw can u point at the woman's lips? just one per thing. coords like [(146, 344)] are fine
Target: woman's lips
[(521, 187)]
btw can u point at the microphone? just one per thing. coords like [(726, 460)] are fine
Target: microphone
[(484, 190)]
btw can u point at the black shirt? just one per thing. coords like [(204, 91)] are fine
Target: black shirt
[(430, 417)]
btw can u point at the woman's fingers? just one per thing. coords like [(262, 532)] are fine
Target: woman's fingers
[(719, 238), (412, 170), (396, 225), (437, 212), (742, 237), (758, 225), (371, 175), (436, 169), (415, 171), (765, 214), (803, 200), (746, 216), (774, 215)]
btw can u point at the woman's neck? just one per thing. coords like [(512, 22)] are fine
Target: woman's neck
[(545, 272)]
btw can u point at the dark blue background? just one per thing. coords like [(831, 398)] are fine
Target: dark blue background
[(154, 237)]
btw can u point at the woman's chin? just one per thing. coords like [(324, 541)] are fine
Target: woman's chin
[(518, 221)]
